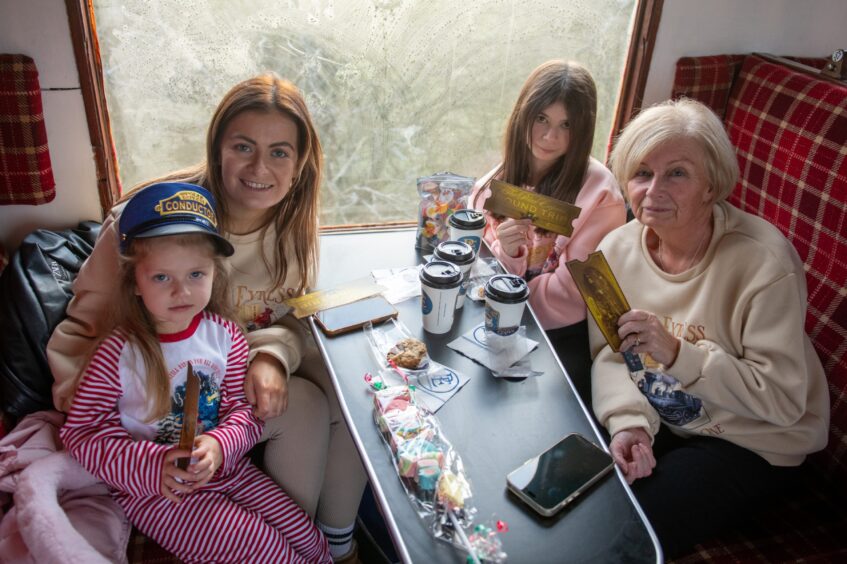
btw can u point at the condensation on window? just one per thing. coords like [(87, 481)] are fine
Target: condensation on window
[(398, 89)]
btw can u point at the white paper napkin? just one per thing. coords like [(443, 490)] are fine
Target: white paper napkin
[(399, 283), (495, 352)]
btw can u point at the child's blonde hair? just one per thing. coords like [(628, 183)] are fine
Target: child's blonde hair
[(135, 322)]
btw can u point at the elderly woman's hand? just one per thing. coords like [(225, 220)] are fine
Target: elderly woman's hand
[(633, 453), (642, 332), (512, 233), (266, 386)]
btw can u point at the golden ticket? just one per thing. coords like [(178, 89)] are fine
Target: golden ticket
[(545, 212), (190, 409), (320, 300), (602, 294)]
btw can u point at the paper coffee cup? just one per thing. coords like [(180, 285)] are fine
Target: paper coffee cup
[(466, 225), (462, 255), (440, 283), (505, 298)]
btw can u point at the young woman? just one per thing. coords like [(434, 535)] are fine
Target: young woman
[(125, 421), (547, 149), (263, 165)]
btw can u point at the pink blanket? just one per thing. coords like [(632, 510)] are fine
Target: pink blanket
[(61, 513)]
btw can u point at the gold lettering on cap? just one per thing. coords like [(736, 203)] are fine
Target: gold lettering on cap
[(187, 202)]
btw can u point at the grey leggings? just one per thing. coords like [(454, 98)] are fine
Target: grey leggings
[(309, 450)]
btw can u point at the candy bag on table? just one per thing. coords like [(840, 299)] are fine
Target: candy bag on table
[(441, 194), (432, 473)]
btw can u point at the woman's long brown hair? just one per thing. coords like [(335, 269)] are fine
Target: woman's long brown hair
[(296, 216), (554, 81)]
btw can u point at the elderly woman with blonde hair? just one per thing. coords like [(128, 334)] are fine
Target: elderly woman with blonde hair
[(729, 396)]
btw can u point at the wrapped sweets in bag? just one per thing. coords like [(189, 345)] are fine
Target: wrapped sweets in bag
[(441, 195), (432, 473)]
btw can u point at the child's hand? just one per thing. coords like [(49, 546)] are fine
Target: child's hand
[(512, 234), (208, 458), (174, 480)]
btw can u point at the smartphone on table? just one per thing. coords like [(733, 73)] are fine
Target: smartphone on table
[(347, 317), (557, 476)]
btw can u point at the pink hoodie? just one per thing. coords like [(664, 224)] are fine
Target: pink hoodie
[(553, 295)]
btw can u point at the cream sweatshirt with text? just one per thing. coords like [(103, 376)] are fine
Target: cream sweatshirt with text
[(746, 370)]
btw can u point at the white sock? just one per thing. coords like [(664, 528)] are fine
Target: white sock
[(340, 540)]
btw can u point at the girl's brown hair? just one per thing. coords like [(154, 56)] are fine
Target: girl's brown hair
[(296, 216), (554, 81), (135, 322)]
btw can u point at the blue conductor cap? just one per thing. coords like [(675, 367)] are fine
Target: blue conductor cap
[(171, 208)]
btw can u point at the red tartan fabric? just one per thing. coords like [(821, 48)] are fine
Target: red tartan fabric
[(26, 176), (707, 79), (790, 134)]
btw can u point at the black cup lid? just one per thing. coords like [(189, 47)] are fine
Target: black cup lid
[(507, 288), (456, 252), (467, 219), (439, 273)]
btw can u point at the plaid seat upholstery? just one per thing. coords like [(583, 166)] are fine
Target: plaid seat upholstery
[(790, 133), (707, 79)]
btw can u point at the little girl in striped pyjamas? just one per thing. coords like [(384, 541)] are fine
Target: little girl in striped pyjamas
[(125, 422)]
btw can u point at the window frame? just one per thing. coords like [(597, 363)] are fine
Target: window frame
[(90, 69), (87, 54)]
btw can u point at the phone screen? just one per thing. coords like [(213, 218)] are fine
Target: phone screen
[(554, 478), (353, 315)]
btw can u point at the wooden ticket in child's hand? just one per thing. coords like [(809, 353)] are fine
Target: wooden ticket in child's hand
[(545, 212), (602, 294), (190, 409)]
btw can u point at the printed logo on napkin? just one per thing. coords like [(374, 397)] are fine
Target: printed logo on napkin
[(433, 386), (495, 352), (320, 300), (545, 212)]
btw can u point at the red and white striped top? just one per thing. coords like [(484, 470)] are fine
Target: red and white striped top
[(106, 429)]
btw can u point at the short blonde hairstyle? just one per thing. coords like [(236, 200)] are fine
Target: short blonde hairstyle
[(675, 120)]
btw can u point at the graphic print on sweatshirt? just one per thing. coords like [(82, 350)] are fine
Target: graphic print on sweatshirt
[(665, 393), (259, 309), (543, 256), (169, 427)]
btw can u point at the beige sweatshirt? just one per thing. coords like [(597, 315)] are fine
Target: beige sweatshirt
[(746, 370), (260, 308)]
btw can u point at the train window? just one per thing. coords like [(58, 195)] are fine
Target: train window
[(398, 89)]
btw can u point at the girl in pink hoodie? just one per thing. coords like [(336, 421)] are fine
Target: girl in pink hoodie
[(547, 149)]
